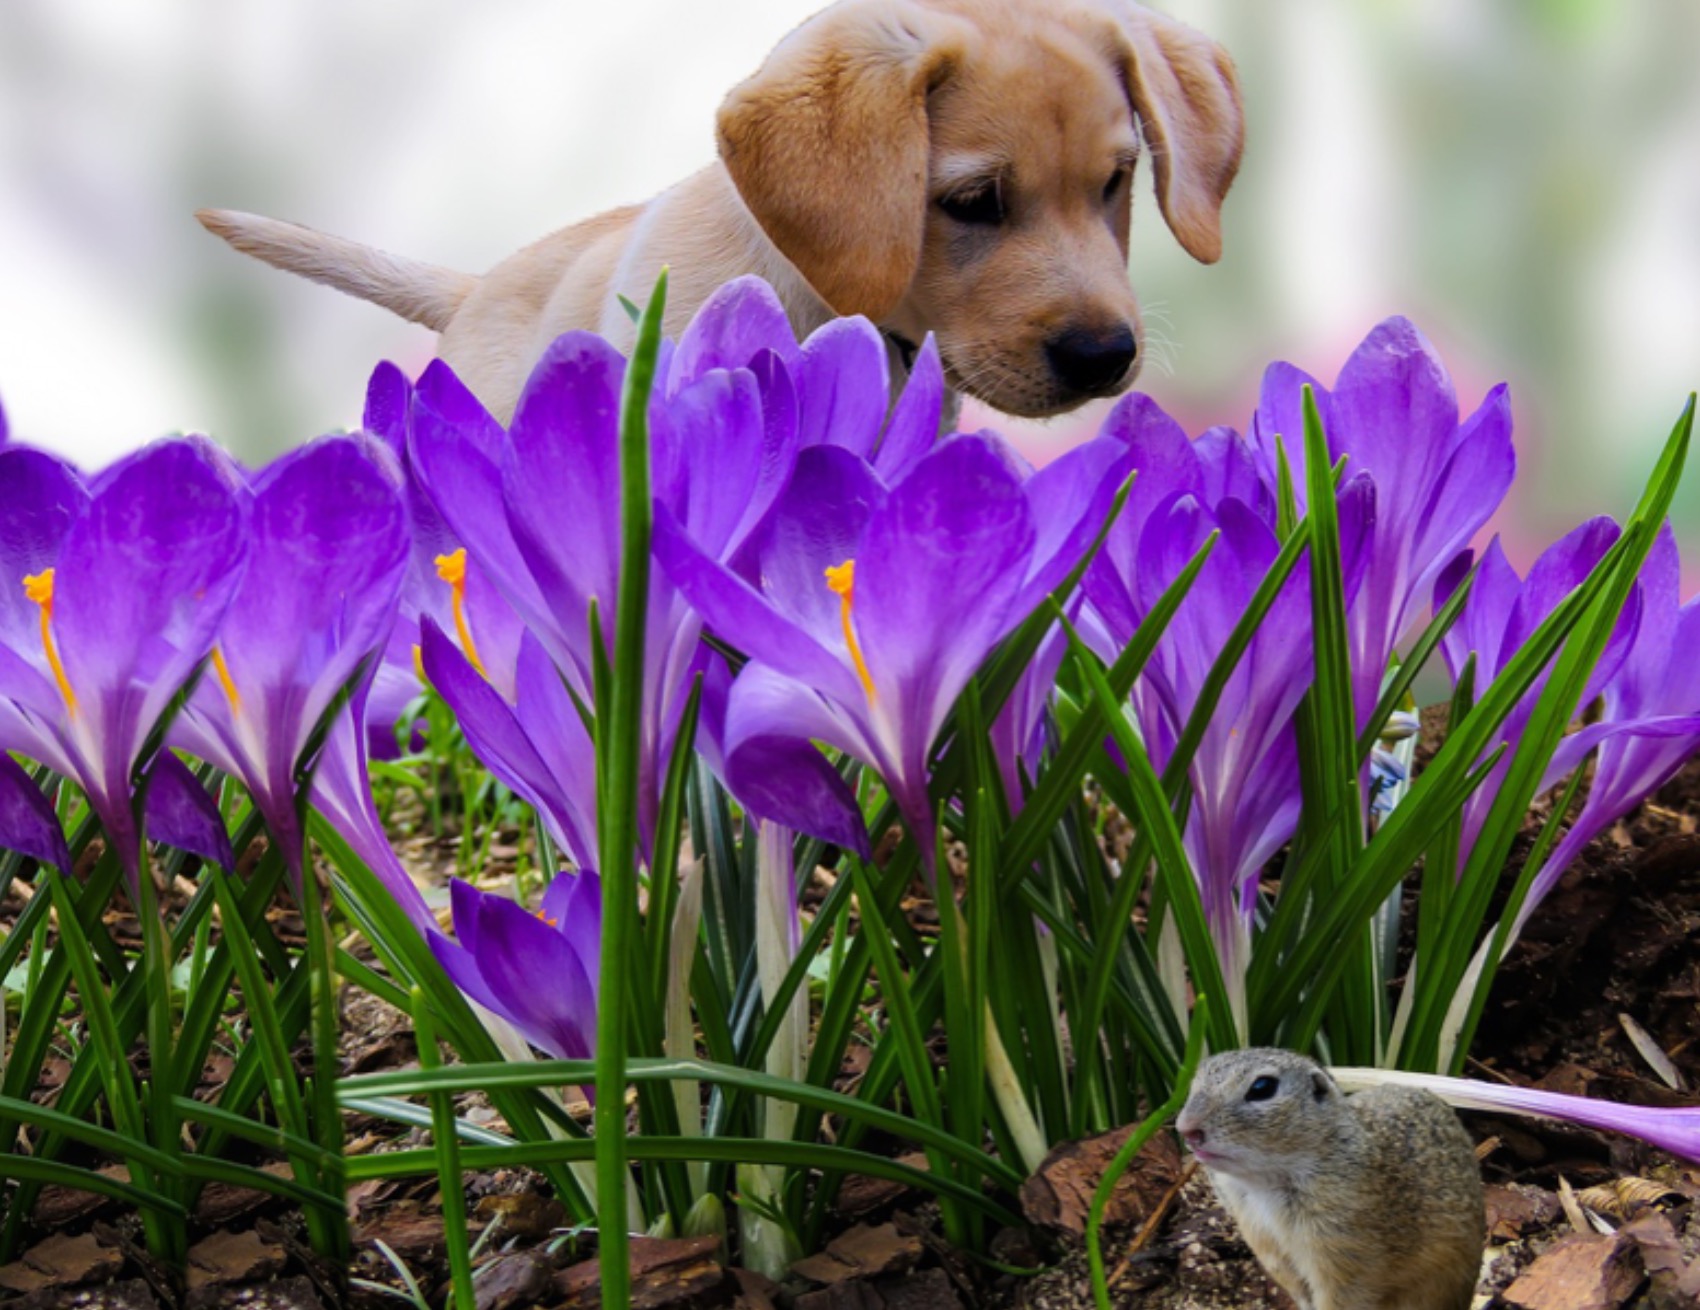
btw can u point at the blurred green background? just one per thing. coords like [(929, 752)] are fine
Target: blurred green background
[(1522, 177)]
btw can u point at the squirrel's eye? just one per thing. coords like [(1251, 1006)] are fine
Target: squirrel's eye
[(1262, 1088), (980, 204)]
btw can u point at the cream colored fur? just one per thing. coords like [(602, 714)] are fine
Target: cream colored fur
[(839, 160)]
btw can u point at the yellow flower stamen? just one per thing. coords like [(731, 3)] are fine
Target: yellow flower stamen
[(841, 579), (38, 587), (419, 665), (451, 569), (226, 681)]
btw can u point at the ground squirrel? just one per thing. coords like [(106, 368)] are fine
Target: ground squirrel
[(1368, 1202)]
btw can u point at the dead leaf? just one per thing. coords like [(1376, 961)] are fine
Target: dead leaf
[(931, 1289), (861, 1195), (1650, 1050), (1059, 1195), (1581, 1272), (522, 1214), (519, 1279), (1518, 1208), (233, 1258), (671, 1273), (1623, 1198), (70, 1261), (863, 1252)]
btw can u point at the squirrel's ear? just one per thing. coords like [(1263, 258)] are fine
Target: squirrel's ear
[(828, 145), (1321, 1086)]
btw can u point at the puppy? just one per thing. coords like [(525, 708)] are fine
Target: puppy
[(959, 167)]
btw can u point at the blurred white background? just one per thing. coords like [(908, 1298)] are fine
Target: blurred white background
[(1522, 177)]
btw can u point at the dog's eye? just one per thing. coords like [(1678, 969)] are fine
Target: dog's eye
[(1114, 184), (1262, 1088), (981, 204)]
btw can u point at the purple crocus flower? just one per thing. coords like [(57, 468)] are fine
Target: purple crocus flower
[(540, 515), (837, 383), (109, 602), (1502, 611), (1649, 725), (330, 543), (1676, 1130), (1393, 414), (441, 582), (28, 824), (875, 608), (538, 971), (182, 813), (537, 742), (342, 794), (1244, 774)]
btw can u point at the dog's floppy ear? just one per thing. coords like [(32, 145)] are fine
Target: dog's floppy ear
[(827, 145), (1187, 99)]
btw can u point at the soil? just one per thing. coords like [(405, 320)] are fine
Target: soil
[(1600, 998)]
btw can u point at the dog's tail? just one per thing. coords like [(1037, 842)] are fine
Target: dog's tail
[(422, 293)]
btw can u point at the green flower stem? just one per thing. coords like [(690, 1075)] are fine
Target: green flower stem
[(327, 1117), (162, 1223), (618, 746), (1134, 1144), (447, 1146)]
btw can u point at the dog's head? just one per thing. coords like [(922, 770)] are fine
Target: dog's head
[(964, 167)]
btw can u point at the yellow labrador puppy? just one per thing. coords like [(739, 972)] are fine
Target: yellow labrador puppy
[(959, 167)]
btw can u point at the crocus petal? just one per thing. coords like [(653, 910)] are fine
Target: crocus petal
[(743, 616), (330, 540), (1674, 1130), (915, 419), (497, 736), (1165, 465), (181, 813), (1480, 629), (925, 628), (1467, 491), (1393, 408), (723, 411), (27, 821), (454, 449), (1231, 469), (842, 387), (40, 497), (775, 771), (561, 466), (1279, 425), (342, 794), (736, 323), (1070, 499), (574, 902), (514, 949), (819, 522), (141, 585)]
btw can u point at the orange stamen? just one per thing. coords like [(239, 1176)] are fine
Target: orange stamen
[(451, 569), (226, 681), (841, 579), (38, 587), (553, 923)]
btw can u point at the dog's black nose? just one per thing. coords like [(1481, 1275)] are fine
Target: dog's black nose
[(1091, 362)]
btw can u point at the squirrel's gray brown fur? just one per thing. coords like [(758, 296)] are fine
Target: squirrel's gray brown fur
[(1365, 1202)]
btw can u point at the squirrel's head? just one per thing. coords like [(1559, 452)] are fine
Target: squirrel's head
[(1261, 1115)]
